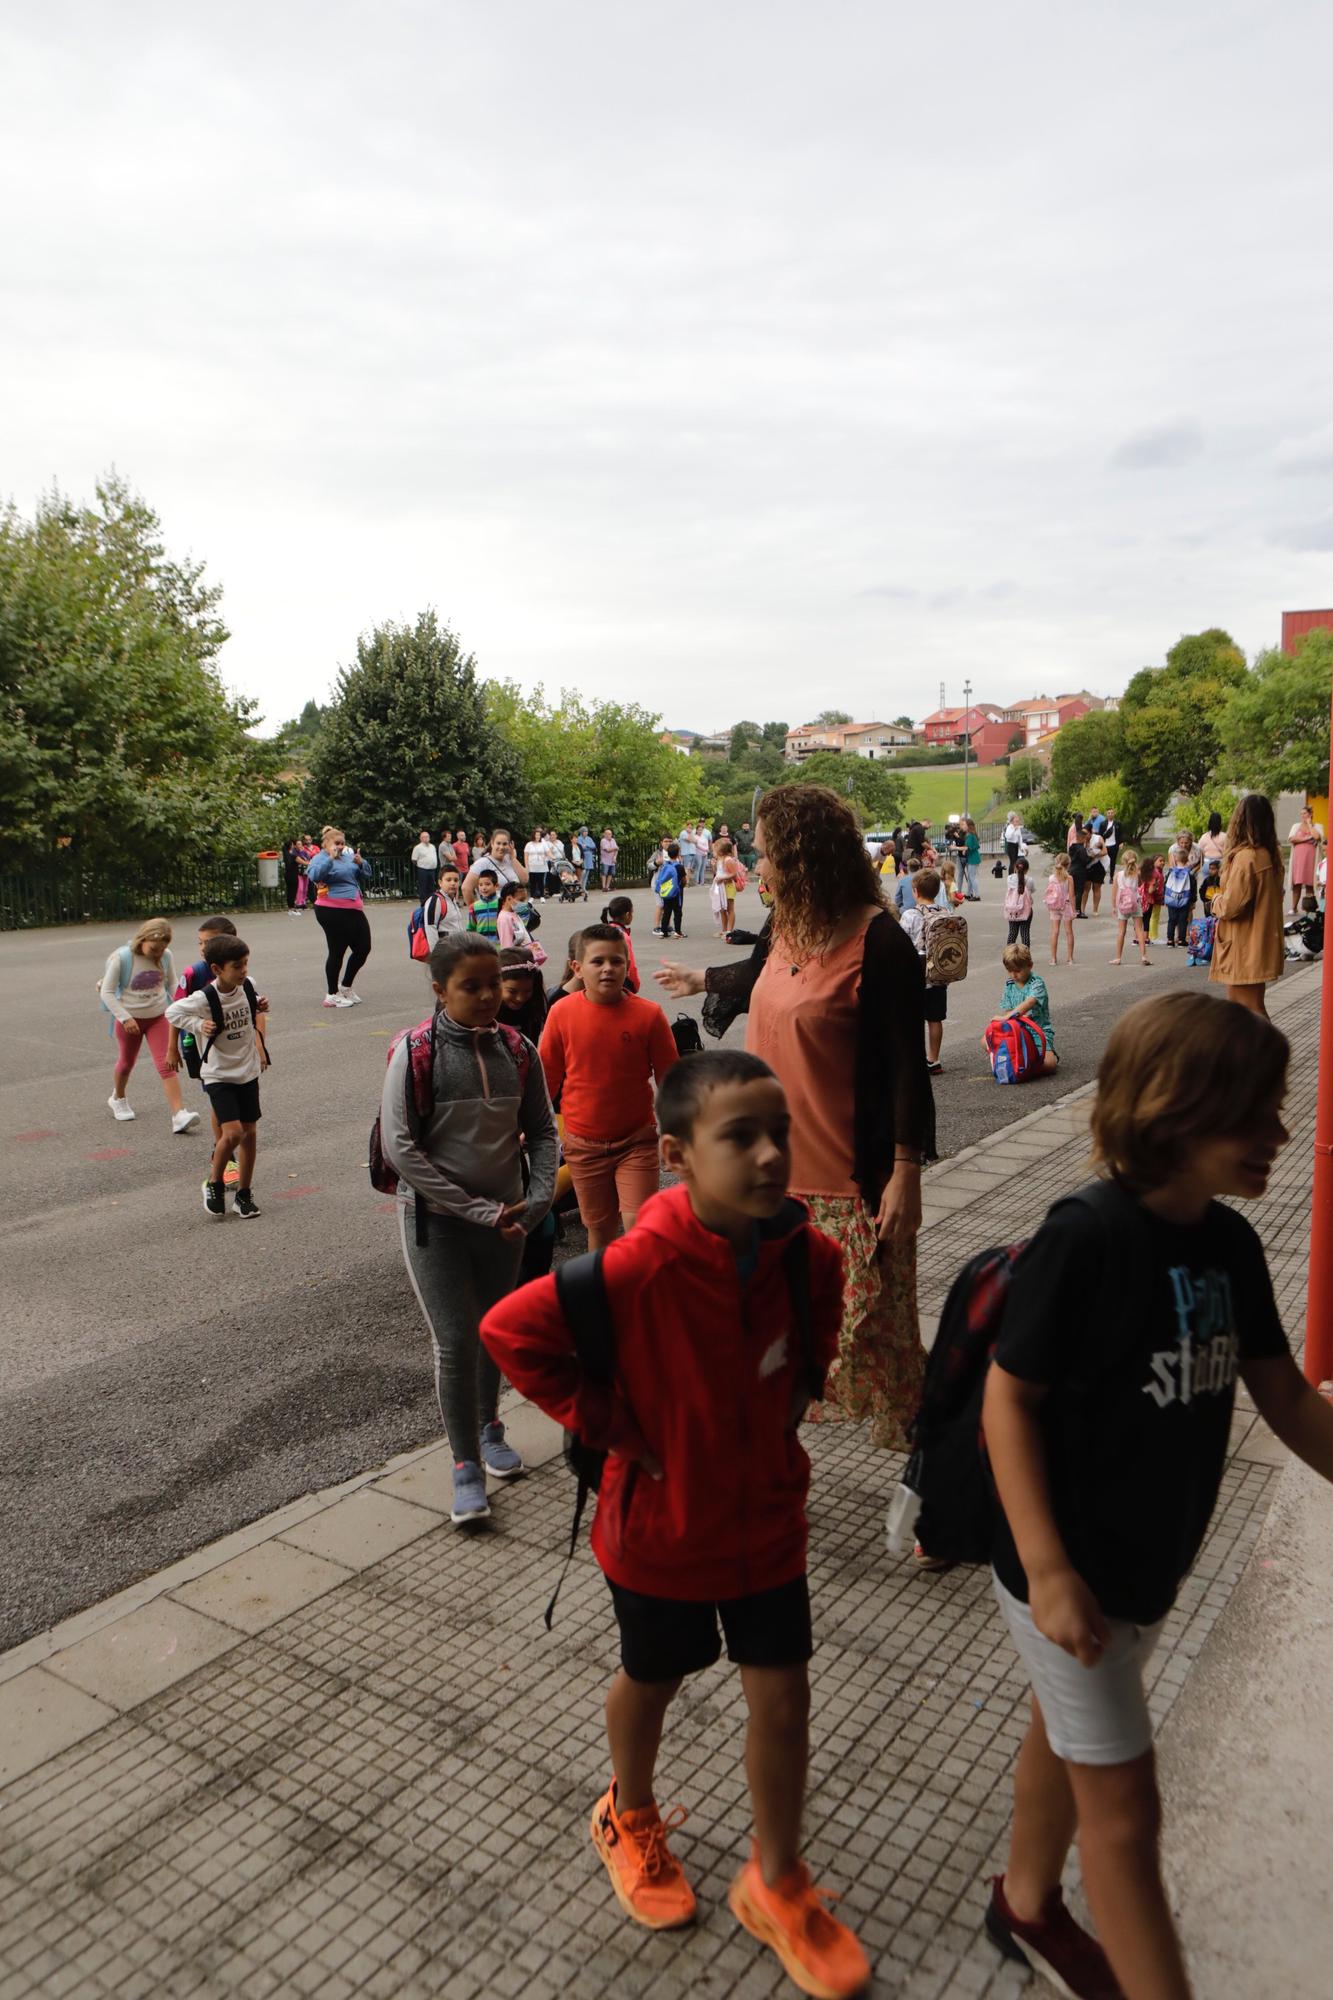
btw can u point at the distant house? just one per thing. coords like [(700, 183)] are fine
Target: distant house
[(855, 739), (673, 740), (1045, 715), (983, 726)]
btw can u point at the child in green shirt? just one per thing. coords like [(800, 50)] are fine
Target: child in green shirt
[(1025, 993), (485, 912)]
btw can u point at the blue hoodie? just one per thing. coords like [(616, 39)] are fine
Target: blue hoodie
[(340, 877)]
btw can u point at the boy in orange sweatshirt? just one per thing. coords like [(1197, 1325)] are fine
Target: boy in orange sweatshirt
[(602, 1052)]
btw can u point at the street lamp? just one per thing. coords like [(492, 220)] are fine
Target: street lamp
[(967, 739)]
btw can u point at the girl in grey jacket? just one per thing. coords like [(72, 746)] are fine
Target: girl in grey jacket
[(476, 1157)]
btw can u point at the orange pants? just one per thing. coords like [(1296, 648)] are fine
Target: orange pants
[(612, 1177)]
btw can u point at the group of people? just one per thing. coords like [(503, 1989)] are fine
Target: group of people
[(550, 866)]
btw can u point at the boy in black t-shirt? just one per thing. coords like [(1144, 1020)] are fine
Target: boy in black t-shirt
[(1107, 1433)]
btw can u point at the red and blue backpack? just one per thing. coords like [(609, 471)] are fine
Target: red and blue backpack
[(1016, 1047), (419, 1086)]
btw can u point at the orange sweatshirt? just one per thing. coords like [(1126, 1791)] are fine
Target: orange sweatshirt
[(600, 1062)]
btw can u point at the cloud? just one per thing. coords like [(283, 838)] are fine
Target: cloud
[(1166, 445), (1312, 453), (1306, 535)]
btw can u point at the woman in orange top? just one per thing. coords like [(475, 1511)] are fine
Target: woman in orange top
[(835, 996)]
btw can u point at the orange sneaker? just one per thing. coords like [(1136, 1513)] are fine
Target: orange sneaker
[(818, 1952), (645, 1874)]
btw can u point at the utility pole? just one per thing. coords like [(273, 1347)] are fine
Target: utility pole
[(967, 739)]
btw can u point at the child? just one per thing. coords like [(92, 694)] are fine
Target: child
[(669, 885), (461, 1168), (1107, 1438), (188, 1048), (522, 995), (925, 888), (619, 914), (445, 911), (904, 893), (234, 1055), (572, 982), (1025, 993), (1060, 907), (726, 878), (698, 1518), (1152, 907), (1130, 887), (602, 1052), (950, 893), (135, 989), (1210, 885), (484, 916), (1018, 904), (510, 930)]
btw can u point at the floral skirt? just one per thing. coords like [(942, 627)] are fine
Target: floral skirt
[(881, 1362)]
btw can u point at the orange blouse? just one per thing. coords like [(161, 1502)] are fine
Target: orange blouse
[(803, 1023)]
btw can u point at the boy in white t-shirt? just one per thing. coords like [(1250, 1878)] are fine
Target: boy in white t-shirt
[(224, 1018)]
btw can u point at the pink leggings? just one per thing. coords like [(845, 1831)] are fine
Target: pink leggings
[(155, 1033)]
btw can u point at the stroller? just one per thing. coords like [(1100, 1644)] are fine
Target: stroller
[(570, 882), (1305, 936)]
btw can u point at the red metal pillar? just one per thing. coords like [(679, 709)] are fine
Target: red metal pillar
[(1319, 1298)]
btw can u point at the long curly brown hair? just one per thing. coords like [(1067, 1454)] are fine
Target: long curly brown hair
[(821, 868)]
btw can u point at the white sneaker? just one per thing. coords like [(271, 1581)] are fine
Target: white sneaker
[(332, 1000), (184, 1121), (348, 998), (120, 1108)]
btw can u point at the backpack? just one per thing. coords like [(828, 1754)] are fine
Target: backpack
[(1018, 903), (198, 976), (1199, 941), (210, 993), (946, 948), (742, 877), (947, 1497), (580, 1286), (1177, 888), (418, 942), (685, 1034), (125, 969), (1056, 892), (419, 1090), (1016, 1047), (1127, 896)]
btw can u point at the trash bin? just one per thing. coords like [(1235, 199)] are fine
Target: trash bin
[(268, 868)]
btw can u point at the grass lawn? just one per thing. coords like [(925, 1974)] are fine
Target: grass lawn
[(938, 791)]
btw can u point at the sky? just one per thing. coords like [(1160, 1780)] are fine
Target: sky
[(740, 359)]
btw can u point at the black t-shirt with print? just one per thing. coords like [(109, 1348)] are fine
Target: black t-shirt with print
[(1137, 1326)]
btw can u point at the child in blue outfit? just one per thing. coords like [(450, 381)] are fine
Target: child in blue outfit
[(1025, 993)]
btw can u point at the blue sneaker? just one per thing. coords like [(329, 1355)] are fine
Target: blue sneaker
[(497, 1456), (470, 1503)]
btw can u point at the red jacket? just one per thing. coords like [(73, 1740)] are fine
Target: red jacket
[(706, 1374)]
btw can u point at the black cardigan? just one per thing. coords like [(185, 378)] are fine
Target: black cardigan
[(895, 1105)]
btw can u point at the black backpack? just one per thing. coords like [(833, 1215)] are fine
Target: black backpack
[(580, 1286), (685, 1034), (947, 1496), (210, 993)]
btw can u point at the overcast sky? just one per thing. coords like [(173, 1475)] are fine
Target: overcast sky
[(741, 359)]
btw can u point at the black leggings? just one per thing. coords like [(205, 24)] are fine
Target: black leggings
[(1020, 931), (1178, 923), (671, 909), (344, 931)]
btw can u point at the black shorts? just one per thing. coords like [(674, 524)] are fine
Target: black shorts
[(937, 1003), (235, 1103), (662, 1638)]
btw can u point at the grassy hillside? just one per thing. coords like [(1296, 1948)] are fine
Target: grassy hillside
[(939, 791)]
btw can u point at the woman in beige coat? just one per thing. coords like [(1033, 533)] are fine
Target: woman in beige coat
[(1248, 950)]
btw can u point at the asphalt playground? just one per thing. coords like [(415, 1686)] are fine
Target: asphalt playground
[(166, 1378)]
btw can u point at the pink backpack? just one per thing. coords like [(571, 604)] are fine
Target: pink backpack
[(1018, 904), (1126, 896)]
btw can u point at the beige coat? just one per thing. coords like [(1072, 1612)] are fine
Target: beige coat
[(1248, 950)]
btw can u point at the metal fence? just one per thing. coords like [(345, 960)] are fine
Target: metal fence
[(61, 892)]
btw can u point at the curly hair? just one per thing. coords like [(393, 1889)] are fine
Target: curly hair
[(821, 868), (1252, 825)]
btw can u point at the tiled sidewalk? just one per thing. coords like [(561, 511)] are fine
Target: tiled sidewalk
[(339, 1754)]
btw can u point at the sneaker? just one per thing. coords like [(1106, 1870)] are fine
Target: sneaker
[(348, 998), (245, 1204), (184, 1121), (120, 1108), (1056, 1947), (333, 1000), (497, 1456), (470, 1503), (213, 1199), (934, 1068), (232, 1175), (648, 1880), (818, 1952)]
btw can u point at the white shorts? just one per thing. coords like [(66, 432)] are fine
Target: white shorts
[(1093, 1715)]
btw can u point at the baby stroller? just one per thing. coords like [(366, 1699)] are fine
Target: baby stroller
[(1305, 936), (570, 882)]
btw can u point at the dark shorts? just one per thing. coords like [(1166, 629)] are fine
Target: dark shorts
[(662, 1638), (937, 1003), (235, 1103)]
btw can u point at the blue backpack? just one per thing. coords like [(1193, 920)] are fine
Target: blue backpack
[(1177, 888)]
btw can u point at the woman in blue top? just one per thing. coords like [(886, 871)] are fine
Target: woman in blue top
[(336, 878)]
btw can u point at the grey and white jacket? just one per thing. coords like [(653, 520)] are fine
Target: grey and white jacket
[(465, 1159)]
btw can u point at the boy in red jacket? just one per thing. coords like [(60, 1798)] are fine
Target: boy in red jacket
[(701, 1511)]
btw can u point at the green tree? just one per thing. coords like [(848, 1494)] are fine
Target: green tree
[(1025, 777), (879, 794), (830, 718), (407, 741), (740, 742), (775, 733), (1274, 729), (1170, 717), (603, 761), (118, 741), (1091, 746), (903, 722), (299, 735)]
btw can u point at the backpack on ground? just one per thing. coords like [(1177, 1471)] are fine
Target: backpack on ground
[(580, 1286), (1177, 888), (946, 948), (685, 1034), (419, 1092), (418, 938), (946, 1498), (1016, 1047), (1199, 941)]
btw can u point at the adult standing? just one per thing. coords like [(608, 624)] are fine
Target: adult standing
[(500, 858), (462, 852), (337, 875), (1213, 843), (537, 860), (703, 845), (745, 844), (1076, 846), (426, 861), (609, 848), (290, 875), (689, 853), (587, 858), (835, 995), (1306, 837), (1013, 840), (1111, 835), (1248, 949), (971, 861), (1096, 867)]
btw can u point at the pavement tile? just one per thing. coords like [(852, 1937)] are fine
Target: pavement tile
[(255, 1590), (137, 1656), (360, 1530), (40, 1716)]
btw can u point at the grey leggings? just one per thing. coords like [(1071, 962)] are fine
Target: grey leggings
[(458, 1274)]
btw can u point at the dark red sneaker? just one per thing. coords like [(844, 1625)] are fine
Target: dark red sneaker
[(1056, 1947)]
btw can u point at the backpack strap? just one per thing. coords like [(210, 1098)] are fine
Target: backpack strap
[(796, 1268), (580, 1287), (210, 993), (419, 1096), (520, 1049)]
